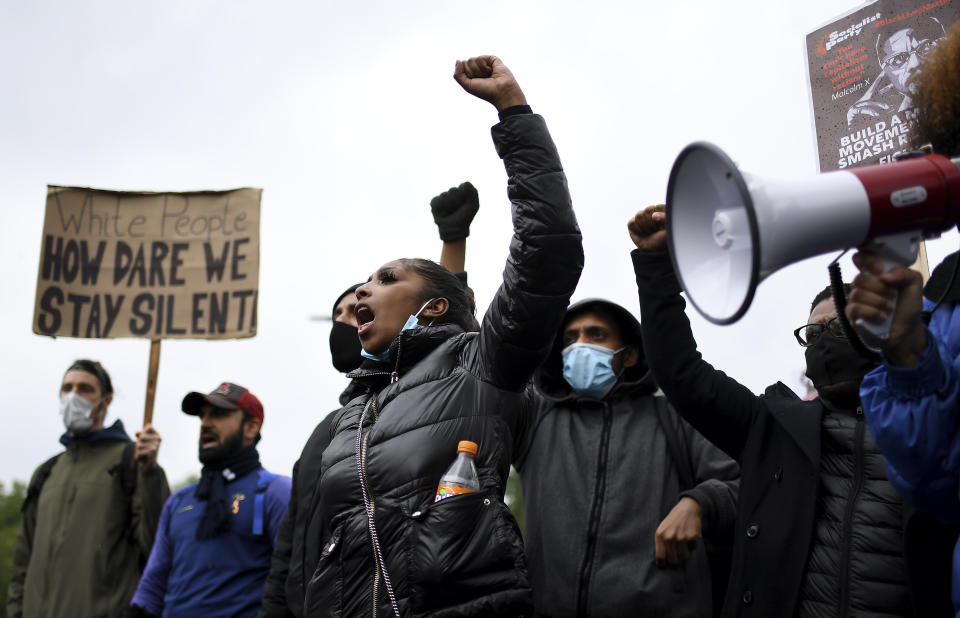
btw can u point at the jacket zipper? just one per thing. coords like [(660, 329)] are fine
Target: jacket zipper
[(396, 366), (376, 373), (373, 545), (594, 523), (368, 499), (368, 503), (370, 506), (848, 514)]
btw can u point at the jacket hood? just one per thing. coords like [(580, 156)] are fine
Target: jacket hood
[(407, 349), (943, 280), (549, 380), (113, 432)]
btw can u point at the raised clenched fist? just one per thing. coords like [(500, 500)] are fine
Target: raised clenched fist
[(487, 78), (453, 211), (648, 228)]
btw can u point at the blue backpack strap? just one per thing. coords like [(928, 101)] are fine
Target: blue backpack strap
[(263, 481)]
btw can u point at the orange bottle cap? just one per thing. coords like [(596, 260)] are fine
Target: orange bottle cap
[(466, 446)]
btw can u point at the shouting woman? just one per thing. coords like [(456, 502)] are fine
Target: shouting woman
[(377, 543)]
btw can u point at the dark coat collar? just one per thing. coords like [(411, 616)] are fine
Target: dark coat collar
[(799, 418), (407, 349)]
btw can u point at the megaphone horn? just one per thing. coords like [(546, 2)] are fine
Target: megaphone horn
[(729, 230)]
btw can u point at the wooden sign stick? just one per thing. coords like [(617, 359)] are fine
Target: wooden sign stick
[(151, 381)]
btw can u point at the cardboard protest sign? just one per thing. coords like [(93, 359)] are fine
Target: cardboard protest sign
[(863, 68), (150, 265)]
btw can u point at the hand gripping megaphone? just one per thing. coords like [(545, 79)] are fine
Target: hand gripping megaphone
[(728, 230)]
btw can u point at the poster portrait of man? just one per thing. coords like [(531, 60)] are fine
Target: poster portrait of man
[(863, 67), (900, 51)]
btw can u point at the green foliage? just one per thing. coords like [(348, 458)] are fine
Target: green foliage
[(9, 527), (193, 478), (514, 498)]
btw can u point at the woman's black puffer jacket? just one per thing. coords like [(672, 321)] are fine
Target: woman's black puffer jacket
[(462, 556)]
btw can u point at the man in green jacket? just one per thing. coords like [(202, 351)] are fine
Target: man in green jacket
[(91, 512)]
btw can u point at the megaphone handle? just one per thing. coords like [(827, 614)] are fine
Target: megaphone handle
[(893, 250), (880, 331)]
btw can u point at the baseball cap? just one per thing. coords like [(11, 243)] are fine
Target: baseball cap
[(227, 396)]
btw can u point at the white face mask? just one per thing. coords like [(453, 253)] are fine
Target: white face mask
[(75, 411)]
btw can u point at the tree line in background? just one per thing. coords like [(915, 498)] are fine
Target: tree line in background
[(10, 501)]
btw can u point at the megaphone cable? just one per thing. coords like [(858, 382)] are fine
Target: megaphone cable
[(840, 302)]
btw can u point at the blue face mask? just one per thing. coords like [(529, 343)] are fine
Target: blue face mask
[(381, 357), (588, 369), (412, 323)]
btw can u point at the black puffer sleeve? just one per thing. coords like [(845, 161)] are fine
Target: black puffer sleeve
[(546, 257)]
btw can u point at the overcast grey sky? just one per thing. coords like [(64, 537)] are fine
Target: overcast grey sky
[(347, 116)]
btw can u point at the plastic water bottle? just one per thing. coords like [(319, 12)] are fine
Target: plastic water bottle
[(461, 476)]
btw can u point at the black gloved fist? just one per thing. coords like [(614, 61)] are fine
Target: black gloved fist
[(454, 210)]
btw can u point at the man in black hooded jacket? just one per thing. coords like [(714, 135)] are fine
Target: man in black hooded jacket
[(820, 530), (617, 489)]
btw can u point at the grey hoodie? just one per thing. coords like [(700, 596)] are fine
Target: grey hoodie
[(597, 479)]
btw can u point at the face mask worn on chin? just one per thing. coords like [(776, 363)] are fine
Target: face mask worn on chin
[(588, 369), (832, 360), (412, 323), (345, 347), (75, 411)]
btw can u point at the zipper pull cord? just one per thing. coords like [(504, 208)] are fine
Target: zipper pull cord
[(396, 366), (368, 507)]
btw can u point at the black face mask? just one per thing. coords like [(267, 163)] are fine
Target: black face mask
[(832, 360), (345, 347)]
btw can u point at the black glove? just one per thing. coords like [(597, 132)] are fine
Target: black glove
[(453, 211)]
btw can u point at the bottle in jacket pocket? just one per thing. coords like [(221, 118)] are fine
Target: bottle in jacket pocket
[(461, 476)]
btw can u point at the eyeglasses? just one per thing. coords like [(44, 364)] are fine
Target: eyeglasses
[(922, 51), (808, 334)]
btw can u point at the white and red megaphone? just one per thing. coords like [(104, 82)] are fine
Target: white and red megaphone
[(729, 230)]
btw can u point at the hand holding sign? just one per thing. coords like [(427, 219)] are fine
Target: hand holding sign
[(147, 447)]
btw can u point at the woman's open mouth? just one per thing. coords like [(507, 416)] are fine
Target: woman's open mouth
[(365, 317)]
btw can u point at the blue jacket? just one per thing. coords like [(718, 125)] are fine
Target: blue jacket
[(224, 575), (912, 413)]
